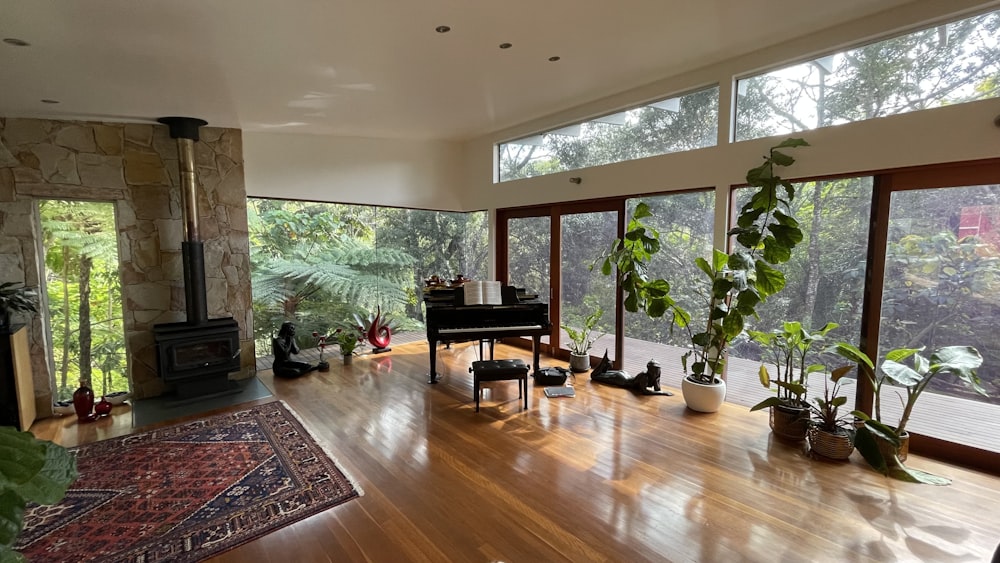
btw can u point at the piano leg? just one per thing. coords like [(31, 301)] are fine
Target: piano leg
[(536, 348), (433, 376)]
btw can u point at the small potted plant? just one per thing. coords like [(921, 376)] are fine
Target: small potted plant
[(831, 434), (348, 338), (323, 365), (788, 349), (14, 299), (581, 341), (885, 445)]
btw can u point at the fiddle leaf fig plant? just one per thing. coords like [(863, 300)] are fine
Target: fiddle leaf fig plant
[(31, 470), (737, 282)]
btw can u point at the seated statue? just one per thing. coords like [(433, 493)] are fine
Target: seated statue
[(283, 346), (646, 383)]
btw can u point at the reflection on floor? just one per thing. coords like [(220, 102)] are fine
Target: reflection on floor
[(159, 409)]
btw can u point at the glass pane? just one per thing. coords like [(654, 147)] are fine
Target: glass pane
[(584, 291), (824, 282), (673, 125), (528, 249), (83, 288), (942, 286), (934, 67), (685, 223)]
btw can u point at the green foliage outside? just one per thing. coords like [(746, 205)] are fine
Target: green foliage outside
[(84, 296), (320, 264)]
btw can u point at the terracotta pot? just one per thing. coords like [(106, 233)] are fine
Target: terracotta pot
[(887, 449), (830, 444), (701, 397), (789, 423)]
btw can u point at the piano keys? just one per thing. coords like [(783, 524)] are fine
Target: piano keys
[(450, 320)]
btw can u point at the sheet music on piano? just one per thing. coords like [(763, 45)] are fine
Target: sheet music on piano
[(482, 293)]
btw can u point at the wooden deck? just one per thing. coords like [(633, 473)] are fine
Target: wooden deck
[(935, 415)]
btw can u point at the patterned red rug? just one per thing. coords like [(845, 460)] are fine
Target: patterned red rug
[(189, 491)]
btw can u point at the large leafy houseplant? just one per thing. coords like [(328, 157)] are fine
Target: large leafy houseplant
[(31, 470), (878, 440), (14, 299), (737, 282)]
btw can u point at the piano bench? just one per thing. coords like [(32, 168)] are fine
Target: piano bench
[(500, 370)]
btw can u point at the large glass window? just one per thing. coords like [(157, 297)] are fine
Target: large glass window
[(322, 263), (584, 290), (941, 288), (949, 64), (672, 125), (528, 255), (824, 279), (684, 221)]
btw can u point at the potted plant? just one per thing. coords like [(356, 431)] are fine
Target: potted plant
[(14, 299), (831, 434), (31, 470), (348, 338), (736, 283), (323, 365), (885, 445), (788, 348), (581, 341)]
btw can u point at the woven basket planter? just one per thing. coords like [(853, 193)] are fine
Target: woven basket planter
[(830, 445)]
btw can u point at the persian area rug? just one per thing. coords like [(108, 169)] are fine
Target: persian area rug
[(188, 491)]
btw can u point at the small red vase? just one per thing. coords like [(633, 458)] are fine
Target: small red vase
[(102, 408), (83, 403)]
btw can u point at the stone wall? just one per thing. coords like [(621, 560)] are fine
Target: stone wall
[(135, 167)]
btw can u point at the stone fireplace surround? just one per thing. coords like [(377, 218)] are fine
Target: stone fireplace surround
[(135, 167)]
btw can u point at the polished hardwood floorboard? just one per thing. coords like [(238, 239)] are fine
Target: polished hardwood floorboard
[(604, 476)]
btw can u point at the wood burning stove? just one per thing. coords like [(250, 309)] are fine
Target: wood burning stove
[(195, 356)]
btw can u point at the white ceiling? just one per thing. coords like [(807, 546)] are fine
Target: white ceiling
[(371, 67)]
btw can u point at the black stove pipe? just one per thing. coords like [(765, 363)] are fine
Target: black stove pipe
[(185, 130)]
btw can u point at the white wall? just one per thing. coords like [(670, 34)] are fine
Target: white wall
[(964, 132), (459, 176), (392, 172)]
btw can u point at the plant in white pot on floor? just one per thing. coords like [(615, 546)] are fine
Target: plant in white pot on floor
[(581, 340), (736, 283)]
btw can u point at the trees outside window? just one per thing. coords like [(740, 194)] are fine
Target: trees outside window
[(83, 287)]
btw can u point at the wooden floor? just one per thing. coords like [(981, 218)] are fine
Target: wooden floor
[(604, 476)]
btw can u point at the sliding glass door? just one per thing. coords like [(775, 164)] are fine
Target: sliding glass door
[(941, 287)]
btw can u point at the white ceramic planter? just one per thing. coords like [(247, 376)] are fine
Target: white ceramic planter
[(703, 398), (579, 363)]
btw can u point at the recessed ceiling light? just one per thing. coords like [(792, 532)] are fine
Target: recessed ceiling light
[(554, 59), (442, 29), (16, 42), (48, 101), (505, 45)]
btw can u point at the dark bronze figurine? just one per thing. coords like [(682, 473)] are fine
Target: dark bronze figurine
[(646, 383), (283, 346)]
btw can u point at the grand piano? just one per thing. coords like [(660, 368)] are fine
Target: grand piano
[(450, 320)]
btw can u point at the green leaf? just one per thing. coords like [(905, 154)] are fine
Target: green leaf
[(768, 402), (903, 473), (792, 142), (865, 443), (719, 259), (765, 377), (769, 280), (732, 325), (704, 267), (642, 211), (901, 374)]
